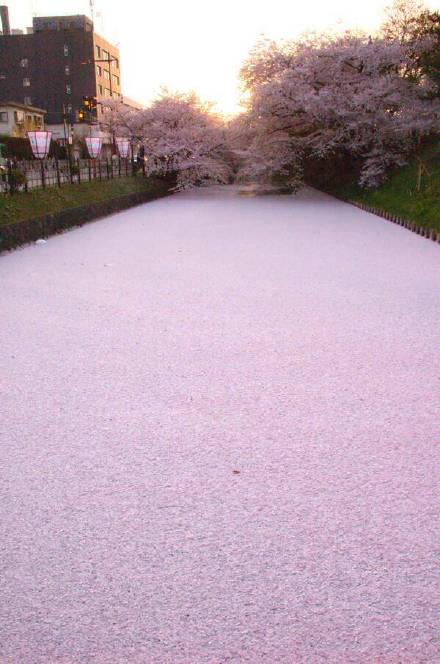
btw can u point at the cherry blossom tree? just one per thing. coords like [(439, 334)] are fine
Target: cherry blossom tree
[(418, 30), (264, 156), (120, 118), (401, 19), (427, 53), (320, 100), (328, 95), (181, 136)]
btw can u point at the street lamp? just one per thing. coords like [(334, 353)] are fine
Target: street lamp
[(123, 145), (40, 144), (94, 146)]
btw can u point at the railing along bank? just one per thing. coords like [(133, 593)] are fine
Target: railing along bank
[(25, 175)]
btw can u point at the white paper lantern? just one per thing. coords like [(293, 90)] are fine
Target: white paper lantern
[(123, 145), (94, 146), (40, 143)]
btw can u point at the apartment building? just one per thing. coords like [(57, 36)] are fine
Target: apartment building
[(55, 64)]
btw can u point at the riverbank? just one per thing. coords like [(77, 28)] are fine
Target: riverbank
[(26, 217), (23, 206), (411, 193)]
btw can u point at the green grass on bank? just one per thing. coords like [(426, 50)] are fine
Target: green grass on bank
[(399, 194), (34, 204)]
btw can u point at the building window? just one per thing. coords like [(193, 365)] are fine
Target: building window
[(105, 55), (67, 70), (24, 63), (66, 50), (4, 116), (68, 89), (27, 101), (26, 82), (116, 63), (106, 75), (99, 70), (108, 93), (98, 51), (18, 116), (115, 80), (101, 89)]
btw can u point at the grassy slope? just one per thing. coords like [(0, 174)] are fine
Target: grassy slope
[(399, 196), (34, 204)]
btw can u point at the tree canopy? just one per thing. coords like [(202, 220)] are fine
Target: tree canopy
[(367, 99)]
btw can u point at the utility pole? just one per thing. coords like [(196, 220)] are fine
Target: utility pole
[(67, 142), (109, 59)]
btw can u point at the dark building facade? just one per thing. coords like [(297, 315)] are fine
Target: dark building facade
[(53, 66)]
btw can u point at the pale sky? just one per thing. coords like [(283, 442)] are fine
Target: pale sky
[(196, 44)]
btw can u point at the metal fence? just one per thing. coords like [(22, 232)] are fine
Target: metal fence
[(24, 176)]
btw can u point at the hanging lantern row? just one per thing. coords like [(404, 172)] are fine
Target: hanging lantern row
[(40, 144)]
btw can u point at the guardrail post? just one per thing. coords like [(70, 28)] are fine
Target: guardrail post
[(57, 166), (43, 177), (69, 164), (9, 178)]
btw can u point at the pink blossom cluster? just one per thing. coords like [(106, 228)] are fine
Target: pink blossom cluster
[(328, 95), (369, 100), (181, 137)]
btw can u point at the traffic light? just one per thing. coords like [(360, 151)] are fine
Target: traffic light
[(90, 103), (88, 112), (90, 106), (94, 107)]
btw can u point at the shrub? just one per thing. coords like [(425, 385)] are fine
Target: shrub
[(16, 179), (15, 147)]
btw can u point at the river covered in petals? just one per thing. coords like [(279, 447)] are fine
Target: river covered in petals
[(219, 436)]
